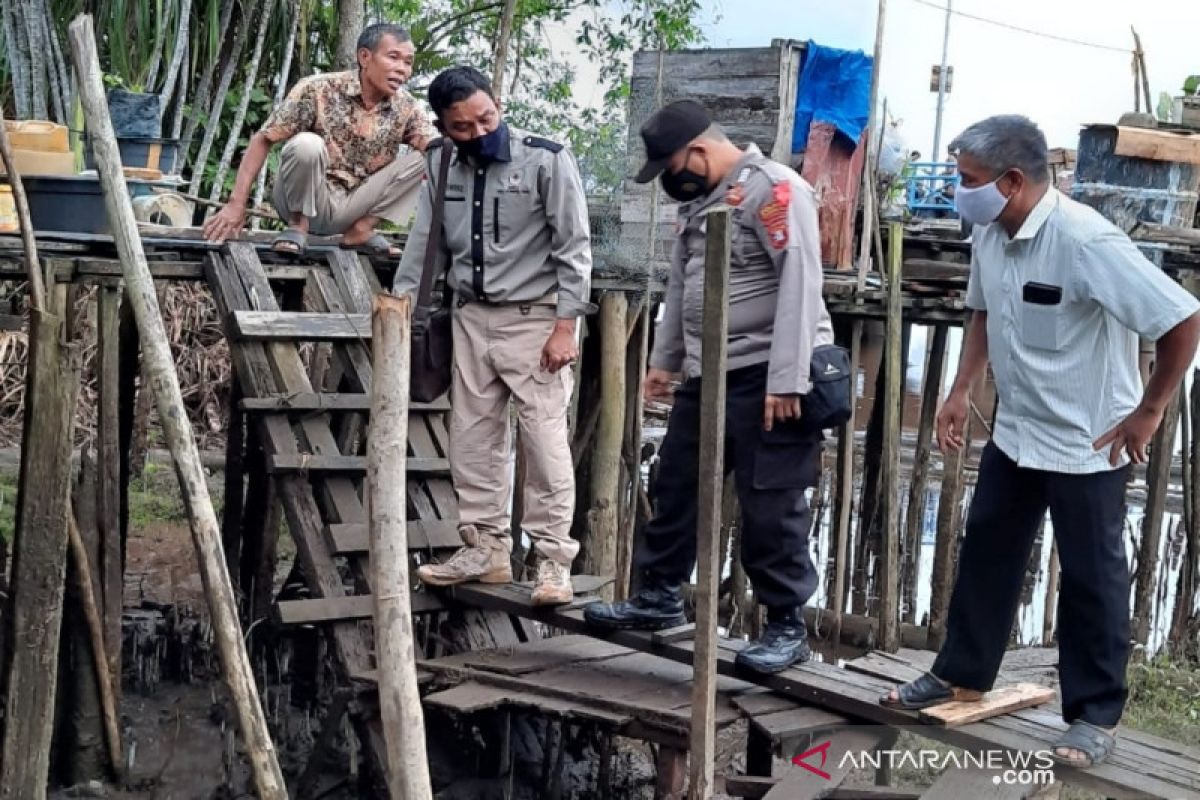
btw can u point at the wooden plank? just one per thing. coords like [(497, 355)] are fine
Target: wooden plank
[(329, 401), (785, 725), (975, 783), (307, 326), (679, 633), (760, 701), (472, 697), (305, 462), (1157, 145), (350, 538), (539, 655), (887, 580), (340, 609), (753, 786), (108, 474), (1002, 700), (824, 766), (1166, 234)]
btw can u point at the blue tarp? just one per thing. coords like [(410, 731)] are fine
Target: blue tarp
[(835, 87)]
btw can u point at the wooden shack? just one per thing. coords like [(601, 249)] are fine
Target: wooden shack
[(751, 92)]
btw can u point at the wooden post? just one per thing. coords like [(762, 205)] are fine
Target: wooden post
[(1189, 574), (914, 522), (703, 736), (399, 699), (635, 373), (34, 615), (888, 585), (235, 487), (1050, 608), (108, 473), (1158, 479), (843, 493), (104, 679), (177, 427), (603, 518)]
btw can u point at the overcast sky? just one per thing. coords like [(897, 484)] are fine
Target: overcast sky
[(996, 70)]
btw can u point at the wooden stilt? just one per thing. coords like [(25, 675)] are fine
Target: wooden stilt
[(888, 586), (843, 492), (635, 375), (1050, 607), (108, 477), (708, 494), (176, 426), (1189, 573), (1158, 478), (914, 521), (40, 553), (235, 485), (949, 518), (387, 448), (866, 543), (603, 518)]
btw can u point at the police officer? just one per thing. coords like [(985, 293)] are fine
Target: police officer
[(776, 318), (517, 242)]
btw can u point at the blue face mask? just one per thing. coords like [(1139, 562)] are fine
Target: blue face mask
[(488, 147)]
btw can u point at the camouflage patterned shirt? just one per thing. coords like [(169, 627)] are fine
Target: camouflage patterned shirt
[(359, 142)]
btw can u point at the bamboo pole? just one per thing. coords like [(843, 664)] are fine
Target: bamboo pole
[(1189, 573), (711, 477), (285, 69), (104, 677), (177, 428), (914, 521), (888, 584), (37, 283), (387, 445)]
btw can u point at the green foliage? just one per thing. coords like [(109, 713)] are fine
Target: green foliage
[(1192, 85), (1164, 699)]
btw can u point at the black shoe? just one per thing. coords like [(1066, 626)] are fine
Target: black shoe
[(783, 644), (652, 609)]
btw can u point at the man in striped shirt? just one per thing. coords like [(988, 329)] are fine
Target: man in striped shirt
[(1060, 297)]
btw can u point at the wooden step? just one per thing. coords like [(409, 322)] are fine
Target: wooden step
[(352, 538), (342, 609), (304, 462), (325, 401), (308, 326)]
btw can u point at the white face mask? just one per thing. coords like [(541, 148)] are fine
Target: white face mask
[(980, 205)]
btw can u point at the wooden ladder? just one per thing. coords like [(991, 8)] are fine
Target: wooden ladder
[(305, 410)]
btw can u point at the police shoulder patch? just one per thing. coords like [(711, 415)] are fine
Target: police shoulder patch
[(545, 144), (774, 214)]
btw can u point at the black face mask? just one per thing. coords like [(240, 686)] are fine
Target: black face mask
[(486, 147), (685, 185)]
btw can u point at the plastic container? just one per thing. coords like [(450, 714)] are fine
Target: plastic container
[(36, 134), (8, 210), (145, 153), (72, 204), (41, 162)]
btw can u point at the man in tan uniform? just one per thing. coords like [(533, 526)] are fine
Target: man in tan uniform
[(340, 171), (516, 239)]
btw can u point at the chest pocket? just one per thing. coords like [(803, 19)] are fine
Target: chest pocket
[(516, 199), (1042, 316)]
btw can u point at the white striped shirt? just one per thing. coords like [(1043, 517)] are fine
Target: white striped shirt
[(1066, 372)]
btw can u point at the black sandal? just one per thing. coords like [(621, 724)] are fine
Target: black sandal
[(1095, 743), (377, 246), (927, 690), (290, 242)]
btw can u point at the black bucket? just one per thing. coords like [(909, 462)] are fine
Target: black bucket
[(1130, 190), (145, 153)]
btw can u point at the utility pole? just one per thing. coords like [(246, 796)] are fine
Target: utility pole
[(942, 78)]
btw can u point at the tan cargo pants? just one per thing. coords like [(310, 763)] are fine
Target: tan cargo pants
[(497, 357), (301, 187)]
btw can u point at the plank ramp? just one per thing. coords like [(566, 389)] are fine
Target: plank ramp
[(1141, 764)]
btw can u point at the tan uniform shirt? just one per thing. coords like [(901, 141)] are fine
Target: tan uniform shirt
[(515, 230), (776, 310)]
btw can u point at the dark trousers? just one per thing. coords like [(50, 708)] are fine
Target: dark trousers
[(771, 472), (1088, 512)]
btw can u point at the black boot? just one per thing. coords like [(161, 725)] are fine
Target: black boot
[(783, 643), (655, 607)]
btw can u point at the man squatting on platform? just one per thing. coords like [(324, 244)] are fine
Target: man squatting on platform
[(777, 317), (1060, 297)]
